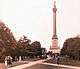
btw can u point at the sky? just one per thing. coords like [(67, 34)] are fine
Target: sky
[(34, 19)]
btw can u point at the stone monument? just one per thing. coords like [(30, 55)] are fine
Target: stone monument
[(54, 48)]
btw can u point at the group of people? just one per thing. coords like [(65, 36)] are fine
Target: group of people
[(8, 60), (57, 59)]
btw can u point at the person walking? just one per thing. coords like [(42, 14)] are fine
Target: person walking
[(58, 60)]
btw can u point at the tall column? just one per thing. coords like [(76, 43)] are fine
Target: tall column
[(54, 21), (54, 48)]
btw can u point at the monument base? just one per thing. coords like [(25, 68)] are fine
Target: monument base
[(55, 50)]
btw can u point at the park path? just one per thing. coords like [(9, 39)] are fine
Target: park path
[(66, 66), (23, 66), (26, 65)]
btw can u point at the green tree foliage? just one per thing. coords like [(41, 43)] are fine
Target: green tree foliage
[(71, 48), (22, 46), (7, 41), (10, 47), (26, 48), (2, 51), (44, 51), (36, 48)]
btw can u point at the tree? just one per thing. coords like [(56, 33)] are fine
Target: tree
[(44, 51), (36, 48), (2, 51), (71, 48), (26, 48), (7, 40), (22, 46)]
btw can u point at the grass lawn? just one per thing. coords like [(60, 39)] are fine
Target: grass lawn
[(66, 62), (17, 63), (70, 62), (23, 62)]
